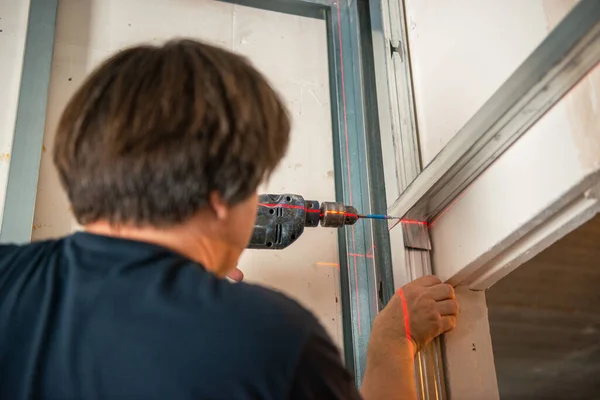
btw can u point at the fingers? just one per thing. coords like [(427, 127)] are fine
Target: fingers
[(447, 307), (429, 280), (447, 323), (236, 275), (441, 292), (448, 310)]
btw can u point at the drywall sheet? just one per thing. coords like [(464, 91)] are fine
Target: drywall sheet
[(290, 50)]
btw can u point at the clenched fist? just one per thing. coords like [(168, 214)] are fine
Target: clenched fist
[(431, 308)]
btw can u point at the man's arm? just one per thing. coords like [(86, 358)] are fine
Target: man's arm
[(390, 372), (431, 310)]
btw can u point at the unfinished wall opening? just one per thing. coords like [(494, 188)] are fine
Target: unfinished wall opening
[(545, 321)]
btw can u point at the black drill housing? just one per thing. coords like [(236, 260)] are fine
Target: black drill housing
[(281, 219)]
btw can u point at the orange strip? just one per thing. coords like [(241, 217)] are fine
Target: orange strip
[(327, 264)]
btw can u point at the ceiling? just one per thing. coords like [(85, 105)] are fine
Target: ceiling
[(545, 322)]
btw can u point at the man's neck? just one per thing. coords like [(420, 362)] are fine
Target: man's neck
[(182, 239)]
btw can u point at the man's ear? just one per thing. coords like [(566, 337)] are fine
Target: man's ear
[(218, 205)]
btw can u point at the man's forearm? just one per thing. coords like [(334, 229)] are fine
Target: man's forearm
[(390, 372)]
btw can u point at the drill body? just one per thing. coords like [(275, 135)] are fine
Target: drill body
[(281, 219)]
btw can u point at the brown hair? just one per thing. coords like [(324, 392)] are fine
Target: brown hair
[(154, 130)]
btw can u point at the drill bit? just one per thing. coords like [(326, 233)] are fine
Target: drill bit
[(377, 216)]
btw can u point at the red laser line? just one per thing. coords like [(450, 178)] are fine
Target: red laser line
[(370, 252), (464, 192), (312, 210), (429, 225), (406, 317), (410, 222), (413, 222), (360, 255)]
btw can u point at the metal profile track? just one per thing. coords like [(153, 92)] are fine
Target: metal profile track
[(567, 54), (373, 140), (354, 166)]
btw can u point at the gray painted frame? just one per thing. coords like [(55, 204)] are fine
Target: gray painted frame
[(23, 173), (365, 267)]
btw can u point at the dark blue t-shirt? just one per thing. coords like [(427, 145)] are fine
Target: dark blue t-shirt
[(94, 317)]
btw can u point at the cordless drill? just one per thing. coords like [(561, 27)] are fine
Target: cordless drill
[(281, 219)]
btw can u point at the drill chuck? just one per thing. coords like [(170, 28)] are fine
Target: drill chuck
[(336, 215)]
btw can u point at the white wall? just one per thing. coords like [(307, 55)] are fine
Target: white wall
[(290, 50), (462, 51), (13, 28)]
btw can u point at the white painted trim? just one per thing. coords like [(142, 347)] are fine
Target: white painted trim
[(524, 197), (562, 222), (470, 371)]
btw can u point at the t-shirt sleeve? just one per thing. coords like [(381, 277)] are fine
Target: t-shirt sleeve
[(320, 373)]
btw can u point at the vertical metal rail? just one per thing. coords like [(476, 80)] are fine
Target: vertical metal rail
[(397, 116), (26, 152), (351, 176), (383, 257)]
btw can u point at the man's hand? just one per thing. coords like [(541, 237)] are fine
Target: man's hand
[(432, 311), (431, 307)]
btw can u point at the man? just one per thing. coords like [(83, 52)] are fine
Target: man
[(161, 152)]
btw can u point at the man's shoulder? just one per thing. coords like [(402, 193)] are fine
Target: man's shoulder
[(13, 255), (8, 249)]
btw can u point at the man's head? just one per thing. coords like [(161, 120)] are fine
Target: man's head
[(164, 137)]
